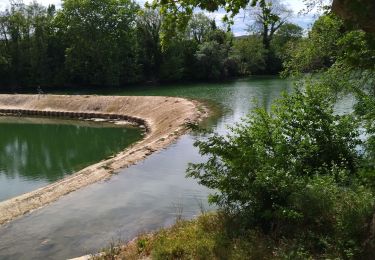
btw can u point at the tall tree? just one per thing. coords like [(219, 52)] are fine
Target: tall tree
[(251, 54), (200, 27), (320, 49), (288, 32), (25, 30), (268, 18), (100, 39), (150, 52)]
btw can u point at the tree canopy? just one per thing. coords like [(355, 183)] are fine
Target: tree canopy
[(117, 43), (178, 12)]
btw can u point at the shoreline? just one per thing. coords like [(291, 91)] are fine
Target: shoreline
[(163, 118)]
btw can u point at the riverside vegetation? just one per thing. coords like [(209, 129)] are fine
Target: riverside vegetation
[(116, 43), (296, 182)]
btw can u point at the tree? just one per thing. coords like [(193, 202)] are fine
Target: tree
[(100, 39), (199, 27), (150, 50), (268, 18), (213, 61), (4, 47), (173, 66), (210, 58), (178, 12), (303, 191), (288, 32), (25, 33), (285, 41), (251, 54), (319, 50)]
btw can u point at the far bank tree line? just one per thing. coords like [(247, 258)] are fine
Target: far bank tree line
[(116, 42)]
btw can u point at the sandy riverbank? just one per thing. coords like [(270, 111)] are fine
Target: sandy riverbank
[(163, 117)]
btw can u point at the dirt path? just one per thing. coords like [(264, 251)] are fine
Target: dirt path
[(163, 117)]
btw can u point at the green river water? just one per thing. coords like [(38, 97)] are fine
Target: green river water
[(143, 197)]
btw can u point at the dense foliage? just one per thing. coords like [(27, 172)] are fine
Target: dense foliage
[(116, 42), (300, 171), (292, 172), (178, 12)]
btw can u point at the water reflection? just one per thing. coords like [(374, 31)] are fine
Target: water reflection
[(140, 198), (143, 197), (34, 154)]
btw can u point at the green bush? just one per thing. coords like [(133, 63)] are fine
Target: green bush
[(334, 216), (293, 173)]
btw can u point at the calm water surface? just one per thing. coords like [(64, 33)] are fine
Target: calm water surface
[(35, 152), (140, 198)]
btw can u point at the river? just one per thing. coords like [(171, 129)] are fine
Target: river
[(143, 197)]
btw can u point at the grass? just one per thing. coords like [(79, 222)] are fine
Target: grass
[(203, 238), (214, 236)]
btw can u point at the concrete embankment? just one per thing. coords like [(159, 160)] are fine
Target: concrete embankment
[(164, 119)]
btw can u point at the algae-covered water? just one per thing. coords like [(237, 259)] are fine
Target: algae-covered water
[(35, 152)]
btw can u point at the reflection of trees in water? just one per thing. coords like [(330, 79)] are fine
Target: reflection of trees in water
[(235, 99), (36, 151)]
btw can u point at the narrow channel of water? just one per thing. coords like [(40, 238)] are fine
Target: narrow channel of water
[(140, 198), (37, 151)]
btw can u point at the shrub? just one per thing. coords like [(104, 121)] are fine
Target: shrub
[(292, 173)]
